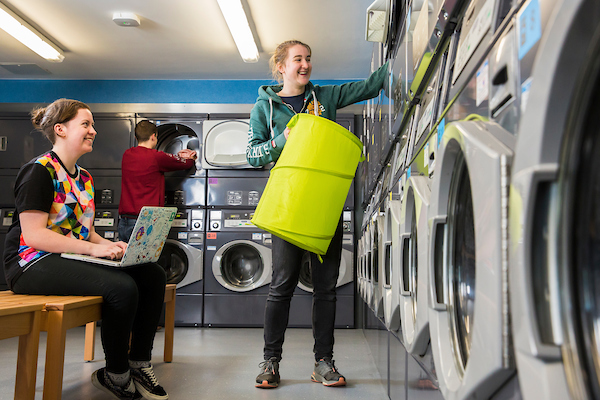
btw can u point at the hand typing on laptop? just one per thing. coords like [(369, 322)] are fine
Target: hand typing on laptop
[(111, 251)]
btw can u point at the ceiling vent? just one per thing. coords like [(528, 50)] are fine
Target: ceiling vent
[(24, 69)]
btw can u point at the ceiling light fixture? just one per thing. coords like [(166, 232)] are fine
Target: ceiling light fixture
[(240, 29), (24, 33)]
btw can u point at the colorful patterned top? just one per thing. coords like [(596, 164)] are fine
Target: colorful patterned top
[(71, 209)]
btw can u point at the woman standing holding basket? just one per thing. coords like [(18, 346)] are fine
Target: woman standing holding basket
[(276, 105)]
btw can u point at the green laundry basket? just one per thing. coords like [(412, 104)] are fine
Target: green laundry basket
[(305, 194)]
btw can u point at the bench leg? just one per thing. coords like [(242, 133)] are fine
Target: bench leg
[(55, 356), (27, 360), (90, 341), (169, 329)]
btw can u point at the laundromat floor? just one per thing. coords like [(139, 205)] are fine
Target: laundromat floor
[(216, 363)]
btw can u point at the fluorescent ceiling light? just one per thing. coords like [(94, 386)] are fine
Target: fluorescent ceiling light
[(24, 33), (240, 29)]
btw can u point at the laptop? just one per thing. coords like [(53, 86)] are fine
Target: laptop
[(147, 239)]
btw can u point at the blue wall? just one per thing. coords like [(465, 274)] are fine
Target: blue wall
[(137, 91)]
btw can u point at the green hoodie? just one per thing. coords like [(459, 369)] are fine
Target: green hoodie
[(269, 116)]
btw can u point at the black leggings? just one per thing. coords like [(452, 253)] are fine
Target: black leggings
[(287, 262), (133, 300)]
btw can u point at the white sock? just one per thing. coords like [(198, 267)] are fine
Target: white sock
[(119, 379), (139, 364)]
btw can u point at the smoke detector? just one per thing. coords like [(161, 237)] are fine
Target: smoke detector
[(126, 19)]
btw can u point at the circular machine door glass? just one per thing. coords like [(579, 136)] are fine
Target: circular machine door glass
[(173, 138), (581, 189), (241, 265), (305, 277), (462, 261), (174, 261)]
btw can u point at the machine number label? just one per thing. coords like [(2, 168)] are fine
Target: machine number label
[(483, 87), (480, 27), (211, 235), (529, 27)]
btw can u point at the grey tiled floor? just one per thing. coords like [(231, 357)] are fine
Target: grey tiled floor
[(213, 363)]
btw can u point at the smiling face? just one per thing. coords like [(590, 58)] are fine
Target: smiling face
[(296, 68), (77, 134)]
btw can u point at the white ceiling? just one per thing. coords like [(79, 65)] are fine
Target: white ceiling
[(187, 39)]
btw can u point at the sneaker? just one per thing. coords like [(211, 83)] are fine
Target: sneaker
[(269, 374), (101, 380), (147, 384), (326, 373)]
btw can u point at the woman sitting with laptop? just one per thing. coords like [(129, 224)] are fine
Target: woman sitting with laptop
[(55, 208)]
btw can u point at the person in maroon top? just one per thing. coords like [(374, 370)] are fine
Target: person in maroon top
[(142, 178)]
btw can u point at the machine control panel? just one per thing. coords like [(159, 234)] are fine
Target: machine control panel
[(7, 216), (197, 220), (230, 220)]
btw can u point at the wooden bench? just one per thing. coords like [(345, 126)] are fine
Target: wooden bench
[(18, 318), (60, 313)]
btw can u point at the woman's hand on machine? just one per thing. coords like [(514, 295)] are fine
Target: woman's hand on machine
[(286, 132)]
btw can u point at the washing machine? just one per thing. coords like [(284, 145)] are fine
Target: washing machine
[(6, 217), (376, 256), (369, 264), (360, 268), (413, 276), (183, 254), (300, 314), (554, 210), (238, 269), (469, 320), (392, 240), (183, 260)]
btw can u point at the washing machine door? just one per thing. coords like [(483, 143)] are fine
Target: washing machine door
[(391, 294), (182, 263), (554, 214), (242, 265), (344, 277), (468, 317), (414, 304), (225, 143)]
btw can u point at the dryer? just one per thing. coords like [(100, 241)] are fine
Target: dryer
[(554, 209), (238, 269)]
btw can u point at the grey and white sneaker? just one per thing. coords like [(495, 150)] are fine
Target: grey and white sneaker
[(326, 373), (147, 384), (269, 374), (101, 380)]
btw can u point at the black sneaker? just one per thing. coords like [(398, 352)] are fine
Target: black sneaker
[(101, 380), (326, 373), (147, 384), (269, 374)]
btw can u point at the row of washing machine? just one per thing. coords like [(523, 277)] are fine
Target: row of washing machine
[(479, 243)]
